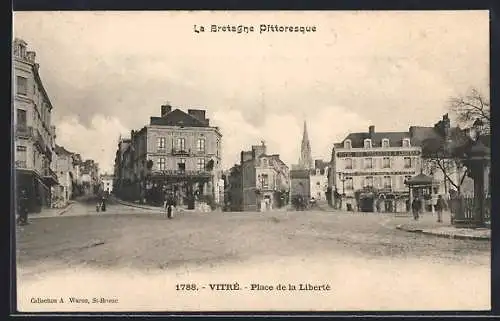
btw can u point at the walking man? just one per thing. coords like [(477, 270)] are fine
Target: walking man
[(440, 206), (23, 208)]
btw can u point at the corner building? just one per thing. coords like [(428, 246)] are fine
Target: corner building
[(178, 152), (33, 130)]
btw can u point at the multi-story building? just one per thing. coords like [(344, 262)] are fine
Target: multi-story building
[(319, 180), (107, 183), (64, 169), (380, 160), (177, 151), (34, 133), (260, 182)]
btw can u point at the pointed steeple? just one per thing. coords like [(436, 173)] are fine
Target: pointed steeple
[(305, 160)]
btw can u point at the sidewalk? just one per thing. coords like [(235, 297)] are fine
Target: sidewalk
[(52, 212), (427, 224)]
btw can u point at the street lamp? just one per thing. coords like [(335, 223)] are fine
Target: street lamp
[(342, 179)]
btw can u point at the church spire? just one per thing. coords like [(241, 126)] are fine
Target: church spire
[(305, 160)]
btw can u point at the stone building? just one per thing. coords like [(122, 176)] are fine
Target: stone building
[(319, 180), (64, 168), (261, 181), (178, 152), (107, 182), (375, 160), (34, 133)]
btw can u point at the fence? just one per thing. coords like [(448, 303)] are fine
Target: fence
[(463, 208)]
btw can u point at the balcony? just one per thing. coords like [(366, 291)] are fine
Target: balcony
[(39, 142), (49, 177), (21, 164), (181, 173), (24, 131), (180, 152)]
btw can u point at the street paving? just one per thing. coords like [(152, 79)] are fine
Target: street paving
[(369, 263)]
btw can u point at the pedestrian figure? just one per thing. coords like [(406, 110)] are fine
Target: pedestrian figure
[(415, 206), (440, 206), (23, 208), (169, 205)]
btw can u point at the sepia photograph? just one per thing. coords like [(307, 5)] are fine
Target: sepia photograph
[(209, 161)]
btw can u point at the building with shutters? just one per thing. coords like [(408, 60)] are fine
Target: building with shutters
[(178, 152), (319, 180), (261, 182), (33, 130), (374, 160)]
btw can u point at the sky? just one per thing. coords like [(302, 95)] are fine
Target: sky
[(106, 73)]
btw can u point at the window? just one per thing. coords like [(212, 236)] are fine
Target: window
[(181, 144), (387, 182), (201, 145), (265, 180), (161, 164), (181, 165), (161, 142), (368, 143), (349, 184), (21, 156), (406, 142), (347, 144), (21, 118), (264, 162), (368, 181), (407, 161), (348, 163), (407, 178), (22, 85), (201, 164), (385, 143), (386, 162), (368, 163)]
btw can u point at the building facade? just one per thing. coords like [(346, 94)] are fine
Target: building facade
[(63, 192), (319, 180), (261, 182), (178, 152), (34, 133), (107, 183), (379, 161)]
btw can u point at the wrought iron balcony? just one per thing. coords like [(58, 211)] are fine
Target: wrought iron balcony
[(180, 152), (24, 131), (21, 164), (181, 173)]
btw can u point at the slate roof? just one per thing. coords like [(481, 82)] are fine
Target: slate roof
[(60, 150), (420, 179), (395, 138), (178, 118)]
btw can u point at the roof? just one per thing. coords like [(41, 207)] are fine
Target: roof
[(178, 118), (60, 150), (395, 138), (420, 179), (299, 173)]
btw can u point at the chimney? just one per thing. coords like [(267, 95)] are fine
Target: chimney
[(198, 114), (371, 130), (165, 109)]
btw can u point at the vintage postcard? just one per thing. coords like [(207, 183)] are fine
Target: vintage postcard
[(251, 161)]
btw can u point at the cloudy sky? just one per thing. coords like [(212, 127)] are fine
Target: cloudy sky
[(108, 72)]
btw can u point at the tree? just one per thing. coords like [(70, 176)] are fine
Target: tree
[(471, 107), (447, 155)]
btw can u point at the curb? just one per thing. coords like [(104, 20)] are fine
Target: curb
[(159, 209), (443, 235), (66, 209)]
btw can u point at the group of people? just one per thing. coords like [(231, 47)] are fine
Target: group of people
[(440, 206)]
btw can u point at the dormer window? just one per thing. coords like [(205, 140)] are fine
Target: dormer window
[(385, 143), (347, 144), (406, 142), (368, 143)]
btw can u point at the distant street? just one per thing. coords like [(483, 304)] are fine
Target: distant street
[(360, 249)]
